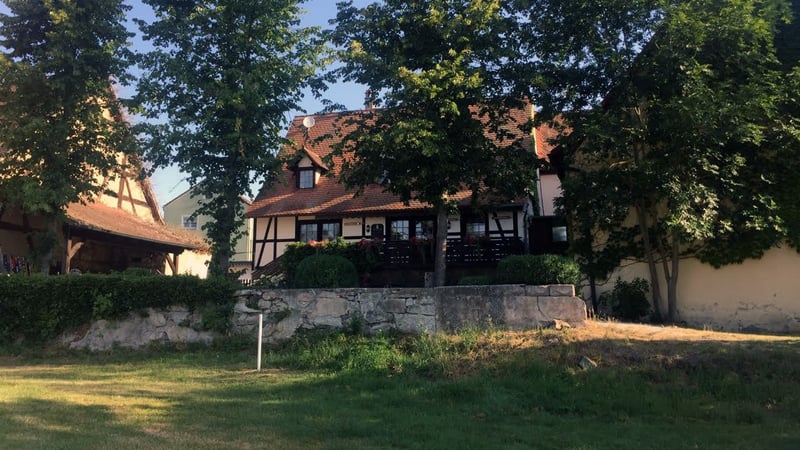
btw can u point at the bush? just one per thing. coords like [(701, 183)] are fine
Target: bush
[(476, 280), (39, 308), (365, 255), (325, 271), (537, 270), (628, 300)]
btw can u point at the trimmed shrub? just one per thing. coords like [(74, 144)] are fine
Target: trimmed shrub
[(38, 308), (325, 271), (365, 255), (476, 280), (628, 300), (537, 270)]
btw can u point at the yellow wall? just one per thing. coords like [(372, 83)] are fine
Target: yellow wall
[(191, 263), (757, 295)]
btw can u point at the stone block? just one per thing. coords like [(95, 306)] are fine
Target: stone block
[(569, 309), (156, 318), (537, 291), (413, 323), (241, 308), (562, 290)]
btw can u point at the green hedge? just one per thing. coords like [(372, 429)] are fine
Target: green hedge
[(325, 271), (537, 270), (365, 255), (39, 308)]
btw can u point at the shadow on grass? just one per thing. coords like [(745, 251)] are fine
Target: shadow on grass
[(642, 395), (38, 423), (505, 395)]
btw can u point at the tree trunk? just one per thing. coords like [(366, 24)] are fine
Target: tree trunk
[(655, 285), (220, 233), (46, 244), (440, 259), (672, 285)]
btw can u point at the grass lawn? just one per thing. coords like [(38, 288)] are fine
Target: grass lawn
[(471, 391)]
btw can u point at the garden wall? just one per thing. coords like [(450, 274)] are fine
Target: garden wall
[(410, 310)]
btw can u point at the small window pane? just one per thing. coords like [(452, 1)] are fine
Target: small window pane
[(306, 179), (330, 231), (308, 232), (559, 234), (189, 222), (399, 230), (424, 230), (476, 229)]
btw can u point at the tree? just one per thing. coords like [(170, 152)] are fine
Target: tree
[(216, 92), (444, 123), (692, 150), (62, 130)]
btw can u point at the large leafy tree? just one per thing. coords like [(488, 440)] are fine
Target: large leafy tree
[(442, 122), (692, 151), (61, 122), (216, 91)]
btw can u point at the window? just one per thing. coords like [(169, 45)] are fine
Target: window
[(399, 230), (308, 232), (305, 179), (406, 229), (318, 231), (330, 230), (559, 234), (423, 229), (189, 222), (475, 228)]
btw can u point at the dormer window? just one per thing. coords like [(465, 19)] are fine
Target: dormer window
[(305, 178)]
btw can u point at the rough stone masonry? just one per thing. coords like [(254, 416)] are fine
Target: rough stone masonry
[(409, 310)]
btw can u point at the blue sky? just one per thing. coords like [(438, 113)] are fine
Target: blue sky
[(170, 182)]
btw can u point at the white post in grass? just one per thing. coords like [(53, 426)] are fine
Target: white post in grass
[(260, 335)]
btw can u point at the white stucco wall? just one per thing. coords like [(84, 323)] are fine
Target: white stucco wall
[(549, 189)]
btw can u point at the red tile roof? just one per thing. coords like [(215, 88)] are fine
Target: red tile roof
[(328, 197), (99, 217)]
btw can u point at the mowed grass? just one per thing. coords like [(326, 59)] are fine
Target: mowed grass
[(475, 390)]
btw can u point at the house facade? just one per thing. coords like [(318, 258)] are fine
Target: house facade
[(180, 213), (117, 230), (308, 204)]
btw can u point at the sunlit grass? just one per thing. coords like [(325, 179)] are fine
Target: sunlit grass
[(473, 390)]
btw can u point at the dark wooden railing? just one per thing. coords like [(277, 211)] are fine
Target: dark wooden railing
[(482, 252)]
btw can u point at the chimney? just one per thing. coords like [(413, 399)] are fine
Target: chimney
[(369, 99)]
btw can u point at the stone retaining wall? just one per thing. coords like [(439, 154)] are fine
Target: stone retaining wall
[(410, 310)]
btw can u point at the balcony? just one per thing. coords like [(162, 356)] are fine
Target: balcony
[(460, 252)]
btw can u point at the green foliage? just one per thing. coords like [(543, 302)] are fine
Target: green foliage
[(365, 255), (476, 280), (628, 300), (537, 270), (39, 308), (694, 150), (434, 69), (649, 394), (325, 271), (215, 92), (138, 272), (58, 63)]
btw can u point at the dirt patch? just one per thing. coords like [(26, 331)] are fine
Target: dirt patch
[(634, 346), (614, 330)]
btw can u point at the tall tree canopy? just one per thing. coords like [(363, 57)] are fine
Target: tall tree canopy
[(694, 148), (434, 71), (61, 127), (216, 92)]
